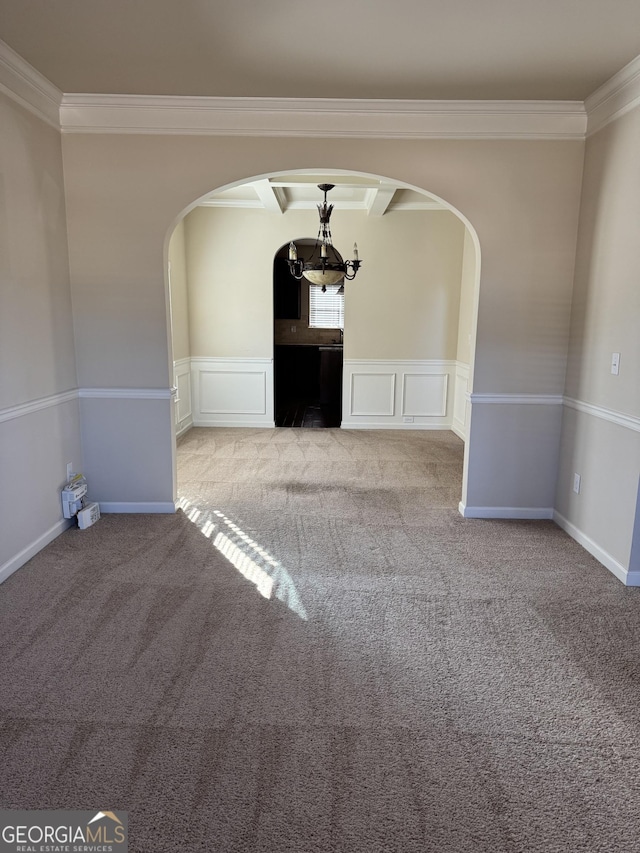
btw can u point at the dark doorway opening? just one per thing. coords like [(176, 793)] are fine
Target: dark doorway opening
[(307, 360)]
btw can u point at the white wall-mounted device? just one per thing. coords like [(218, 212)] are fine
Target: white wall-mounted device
[(88, 515), (72, 497), (75, 505)]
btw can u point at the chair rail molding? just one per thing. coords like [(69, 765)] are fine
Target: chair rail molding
[(628, 421), (126, 393), (37, 405), (516, 399)]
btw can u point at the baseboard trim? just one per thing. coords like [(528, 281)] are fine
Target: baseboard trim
[(31, 550), (184, 428), (137, 507), (234, 423), (347, 424), (459, 431), (534, 513), (626, 577)]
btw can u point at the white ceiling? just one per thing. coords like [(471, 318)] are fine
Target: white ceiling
[(408, 49)]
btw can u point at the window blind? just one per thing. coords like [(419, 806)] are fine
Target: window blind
[(326, 310)]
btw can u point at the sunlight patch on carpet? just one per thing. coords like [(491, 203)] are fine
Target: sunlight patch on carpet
[(246, 555)]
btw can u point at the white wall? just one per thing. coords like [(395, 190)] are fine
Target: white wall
[(39, 418), (404, 302), (466, 335), (180, 332), (601, 424), (401, 313)]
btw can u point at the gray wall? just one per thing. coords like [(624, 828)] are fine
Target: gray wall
[(600, 434), (39, 420)]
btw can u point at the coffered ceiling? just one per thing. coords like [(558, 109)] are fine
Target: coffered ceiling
[(300, 192), (408, 49)]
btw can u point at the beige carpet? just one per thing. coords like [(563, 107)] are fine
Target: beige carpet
[(318, 654)]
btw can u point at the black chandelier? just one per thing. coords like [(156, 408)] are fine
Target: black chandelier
[(324, 266)]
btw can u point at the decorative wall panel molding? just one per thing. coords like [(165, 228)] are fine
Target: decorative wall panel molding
[(372, 394), (397, 394), (232, 392), (461, 401), (424, 395), (182, 382)]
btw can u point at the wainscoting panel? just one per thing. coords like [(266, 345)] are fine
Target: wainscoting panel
[(461, 401), (372, 394), (232, 392), (182, 382), (397, 394), (424, 395)]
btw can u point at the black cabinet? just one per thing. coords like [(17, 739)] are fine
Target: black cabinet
[(286, 292), (297, 372), (308, 385), (331, 377)]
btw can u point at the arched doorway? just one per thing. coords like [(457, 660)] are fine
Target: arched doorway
[(427, 385)]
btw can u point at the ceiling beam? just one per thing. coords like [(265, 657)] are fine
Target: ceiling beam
[(378, 200), (271, 199)]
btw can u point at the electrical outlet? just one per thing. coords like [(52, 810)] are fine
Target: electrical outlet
[(294, 329), (407, 420), (576, 483), (69, 471)]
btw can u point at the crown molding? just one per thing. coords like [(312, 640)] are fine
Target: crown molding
[(324, 118), (28, 87), (317, 117), (619, 95)]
